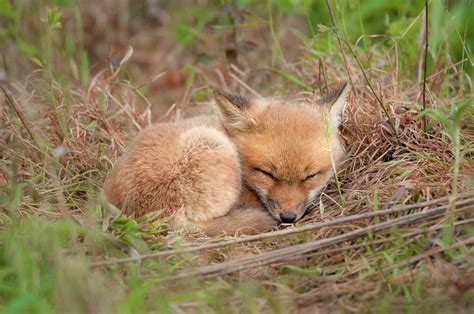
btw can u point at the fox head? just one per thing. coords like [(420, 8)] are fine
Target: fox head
[(288, 149)]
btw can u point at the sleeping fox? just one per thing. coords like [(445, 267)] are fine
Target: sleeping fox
[(259, 163)]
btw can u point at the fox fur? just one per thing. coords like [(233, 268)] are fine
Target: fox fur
[(258, 163)]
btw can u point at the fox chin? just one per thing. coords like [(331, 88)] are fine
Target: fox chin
[(258, 163)]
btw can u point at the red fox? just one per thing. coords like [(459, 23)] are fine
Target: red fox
[(259, 163)]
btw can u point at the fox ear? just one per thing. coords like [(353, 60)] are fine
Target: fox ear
[(334, 101), (234, 110)]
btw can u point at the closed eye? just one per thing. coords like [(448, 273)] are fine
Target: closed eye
[(268, 174), (312, 175)]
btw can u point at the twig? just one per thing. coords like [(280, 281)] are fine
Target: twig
[(411, 260), (379, 100), (20, 115), (300, 249), (242, 83), (421, 50), (322, 72), (425, 63), (274, 36), (377, 97), (340, 46), (380, 241), (429, 253), (463, 199)]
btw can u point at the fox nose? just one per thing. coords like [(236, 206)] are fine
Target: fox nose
[(287, 217)]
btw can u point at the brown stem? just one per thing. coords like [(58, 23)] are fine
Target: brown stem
[(20, 115), (301, 249), (425, 63), (463, 198), (405, 277), (346, 64), (385, 240), (379, 100)]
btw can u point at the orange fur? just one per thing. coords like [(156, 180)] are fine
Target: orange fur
[(263, 161)]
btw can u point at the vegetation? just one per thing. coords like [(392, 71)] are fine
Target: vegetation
[(393, 232)]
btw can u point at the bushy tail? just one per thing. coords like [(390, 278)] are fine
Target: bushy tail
[(210, 179), (239, 221)]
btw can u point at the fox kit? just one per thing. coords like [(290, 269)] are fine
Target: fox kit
[(259, 163)]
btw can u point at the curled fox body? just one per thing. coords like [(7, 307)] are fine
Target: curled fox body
[(259, 163)]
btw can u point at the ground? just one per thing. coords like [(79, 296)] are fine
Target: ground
[(392, 232)]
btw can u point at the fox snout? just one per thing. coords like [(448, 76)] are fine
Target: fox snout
[(287, 217), (285, 214)]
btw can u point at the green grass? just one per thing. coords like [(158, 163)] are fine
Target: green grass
[(64, 123)]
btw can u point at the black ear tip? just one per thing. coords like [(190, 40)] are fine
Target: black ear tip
[(236, 100), (332, 96), (341, 87)]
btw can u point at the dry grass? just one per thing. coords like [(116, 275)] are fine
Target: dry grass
[(376, 175), (57, 145)]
